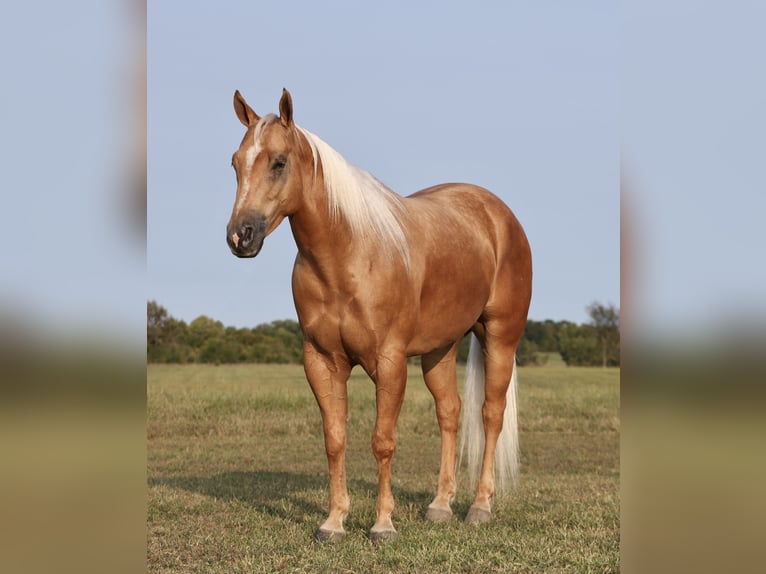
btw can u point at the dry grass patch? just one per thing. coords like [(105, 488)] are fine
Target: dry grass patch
[(238, 477)]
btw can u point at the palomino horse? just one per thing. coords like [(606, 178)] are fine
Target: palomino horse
[(378, 278)]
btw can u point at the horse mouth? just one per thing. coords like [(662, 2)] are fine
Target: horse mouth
[(246, 239), (247, 252)]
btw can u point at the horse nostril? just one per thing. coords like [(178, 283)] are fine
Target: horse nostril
[(247, 235)]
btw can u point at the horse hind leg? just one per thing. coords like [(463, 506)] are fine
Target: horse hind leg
[(440, 374), (499, 358)]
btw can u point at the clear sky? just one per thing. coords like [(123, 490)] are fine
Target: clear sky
[(519, 97), (692, 126), (542, 102), (71, 254)]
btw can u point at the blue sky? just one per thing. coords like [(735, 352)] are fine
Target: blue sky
[(71, 259), (518, 97), (692, 127), (542, 102)]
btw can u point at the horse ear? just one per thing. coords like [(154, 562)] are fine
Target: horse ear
[(244, 112), (286, 108)]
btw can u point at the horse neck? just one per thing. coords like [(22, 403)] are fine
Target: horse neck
[(322, 240)]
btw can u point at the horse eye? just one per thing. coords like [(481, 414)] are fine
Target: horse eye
[(279, 163)]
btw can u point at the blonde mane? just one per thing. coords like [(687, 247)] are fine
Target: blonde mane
[(369, 207)]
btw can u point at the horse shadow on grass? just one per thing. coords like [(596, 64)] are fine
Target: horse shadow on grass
[(289, 496)]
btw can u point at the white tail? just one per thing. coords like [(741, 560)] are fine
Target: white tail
[(472, 427)]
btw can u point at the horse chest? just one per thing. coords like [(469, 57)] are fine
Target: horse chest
[(356, 320)]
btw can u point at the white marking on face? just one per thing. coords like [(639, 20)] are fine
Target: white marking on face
[(251, 154), (253, 151)]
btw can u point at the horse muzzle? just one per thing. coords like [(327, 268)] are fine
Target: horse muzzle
[(245, 237)]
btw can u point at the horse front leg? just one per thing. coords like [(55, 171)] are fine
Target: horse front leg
[(328, 378), (390, 380)]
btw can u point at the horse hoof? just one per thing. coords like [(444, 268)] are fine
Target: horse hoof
[(477, 515), (438, 515), (330, 535), (383, 536)]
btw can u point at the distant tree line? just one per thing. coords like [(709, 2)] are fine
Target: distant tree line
[(596, 343), (205, 340)]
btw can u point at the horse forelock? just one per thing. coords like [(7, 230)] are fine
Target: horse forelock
[(258, 131), (369, 207)]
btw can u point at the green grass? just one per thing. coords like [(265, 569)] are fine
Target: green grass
[(238, 477)]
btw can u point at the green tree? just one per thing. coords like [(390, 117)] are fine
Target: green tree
[(201, 330), (156, 318), (578, 345), (165, 336), (528, 353), (218, 350), (594, 343), (606, 321), (543, 334)]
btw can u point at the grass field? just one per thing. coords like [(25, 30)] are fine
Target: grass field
[(238, 477)]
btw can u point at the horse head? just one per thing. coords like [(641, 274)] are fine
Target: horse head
[(268, 179)]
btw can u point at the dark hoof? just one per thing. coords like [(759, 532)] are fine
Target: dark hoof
[(477, 515), (438, 515), (330, 535), (383, 536)]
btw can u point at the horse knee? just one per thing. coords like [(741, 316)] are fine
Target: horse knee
[(492, 412), (448, 415), (383, 446), (335, 442)]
